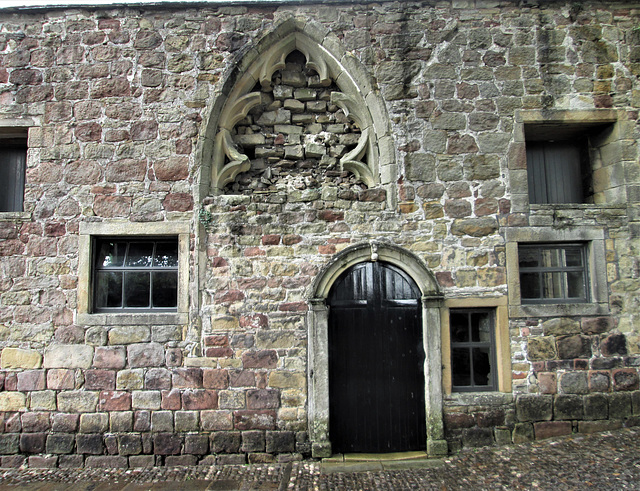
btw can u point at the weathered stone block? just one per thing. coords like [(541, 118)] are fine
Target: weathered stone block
[(146, 399), (20, 358), (225, 442), (106, 462), (60, 443), (157, 378), (568, 407), (90, 444), (214, 378), (523, 432), (129, 444), (534, 407), (70, 461), (9, 443), (199, 399), (596, 406), (68, 356), (574, 383), (61, 379), (196, 444), (77, 401), (94, 422), (599, 381), (33, 442), (625, 379), (253, 441), (254, 420), (171, 399), (576, 346), (130, 379), (114, 400), (280, 441), (186, 421), (263, 399), (620, 405), (12, 401), (187, 378), (260, 359), (551, 429), (145, 355), (109, 357), (42, 462), (64, 423), (477, 437), (167, 444), (99, 379), (129, 335), (120, 422), (35, 421), (216, 420)]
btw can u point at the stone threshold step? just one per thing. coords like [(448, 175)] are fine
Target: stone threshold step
[(376, 457)]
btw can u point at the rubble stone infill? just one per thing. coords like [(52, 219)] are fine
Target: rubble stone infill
[(599, 461)]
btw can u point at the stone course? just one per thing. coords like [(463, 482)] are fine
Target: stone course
[(121, 105)]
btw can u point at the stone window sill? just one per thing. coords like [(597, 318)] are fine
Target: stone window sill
[(558, 310), (137, 319), (478, 399), (15, 216)]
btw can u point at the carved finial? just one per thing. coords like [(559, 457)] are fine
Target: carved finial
[(374, 252)]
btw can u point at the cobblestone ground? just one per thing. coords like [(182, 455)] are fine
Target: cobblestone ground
[(602, 461)]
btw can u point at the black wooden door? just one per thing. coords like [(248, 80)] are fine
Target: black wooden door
[(376, 361)]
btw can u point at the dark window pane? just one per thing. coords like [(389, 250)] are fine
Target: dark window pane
[(529, 285), (552, 285), (552, 258), (480, 327), (166, 255), (528, 257), (165, 289), (108, 287), (111, 254), (573, 257), (459, 324), (136, 289), (140, 254), (481, 366), (575, 284), (12, 171), (460, 366)]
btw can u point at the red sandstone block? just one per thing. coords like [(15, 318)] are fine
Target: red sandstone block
[(254, 251), (187, 378), (331, 215), (551, 429), (216, 340), (171, 399), (625, 379), (254, 420), (254, 321), (34, 422), (173, 357), (109, 357), (213, 378), (199, 399), (547, 382), (31, 380), (12, 423), (454, 421), (242, 378), (114, 400), (272, 239), (100, 379), (229, 296), (260, 359), (327, 249), (42, 462), (11, 381), (293, 307), (12, 461), (218, 352)]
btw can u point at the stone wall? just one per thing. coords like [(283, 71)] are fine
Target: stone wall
[(123, 106)]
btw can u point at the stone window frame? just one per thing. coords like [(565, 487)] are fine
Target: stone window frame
[(25, 127), (615, 152), (318, 339), (123, 228), (501, 338), (594, 240)]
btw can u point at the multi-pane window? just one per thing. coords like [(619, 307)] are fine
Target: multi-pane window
[(135, 274), (13, 157), (552, 273), (555, 171), (472, 349)]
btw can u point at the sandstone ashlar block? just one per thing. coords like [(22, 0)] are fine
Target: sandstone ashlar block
[(31, 380), (625, 379), (162, 421), (20, 358), (146, 399), (254, 420), (35, 421), (61, 379), (263, 399), (64, 423), (42, 462), (287, 380), (620, 405), (211, 420), (531, 407), (129, 444), (109, 357), (60, 443), (32, 442), (99, 379), (213, 378), (130, 379), (114, 400), (145, 355), (199, 399), (227, 442), (253, 441), (106, 462), (186, 421), (574, 383), (121, 421), (9, 443), (91, 444), (187, 378), (12, 401), (260, 359), (77, 401), (196, 444), (167, 444), (129, 335), (94, 422), (231, 399), (68, 356), (551, 429), (568, 407), (280, 441), (157, 378), (596, 406), (171, 399)]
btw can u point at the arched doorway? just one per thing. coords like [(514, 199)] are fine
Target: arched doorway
[(319, 393), (376, 361)]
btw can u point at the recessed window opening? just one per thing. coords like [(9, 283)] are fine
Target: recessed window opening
[(13, 159), (135, 274), (473, 349), (553, 273), (561, 159)]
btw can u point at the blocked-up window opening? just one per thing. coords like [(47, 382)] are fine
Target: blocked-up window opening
[(135, 274), (473, 359), (296, 137), (553, 273), (13, 158)]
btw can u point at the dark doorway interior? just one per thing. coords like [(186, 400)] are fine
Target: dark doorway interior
[(376, 361)]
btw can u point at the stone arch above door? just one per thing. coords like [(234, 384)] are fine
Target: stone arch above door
[(372, 159), (317, 325)]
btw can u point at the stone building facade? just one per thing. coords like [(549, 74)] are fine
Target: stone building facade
[(273, 152)]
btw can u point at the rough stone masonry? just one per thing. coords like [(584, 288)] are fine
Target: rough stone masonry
[(277, 142)]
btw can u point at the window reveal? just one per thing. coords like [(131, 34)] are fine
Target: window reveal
[(132, 274), (472, 349), (13, 157), (550, 273)]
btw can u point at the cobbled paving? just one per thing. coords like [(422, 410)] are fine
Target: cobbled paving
[(608, 461)]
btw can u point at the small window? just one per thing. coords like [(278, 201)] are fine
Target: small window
[(555, 172), (13, 158), (553, 273), (472, 349), (135, 274)]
